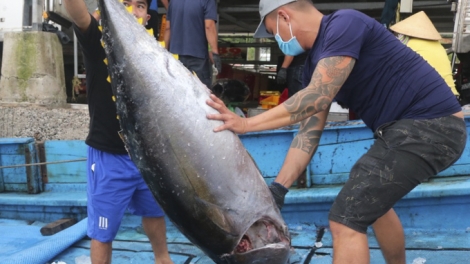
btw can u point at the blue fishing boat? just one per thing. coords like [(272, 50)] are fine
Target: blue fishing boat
[(41, 183)]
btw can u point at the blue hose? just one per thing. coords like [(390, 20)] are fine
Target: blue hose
[(47, 249)]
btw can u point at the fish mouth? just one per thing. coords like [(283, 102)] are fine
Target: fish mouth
[(264, 242)]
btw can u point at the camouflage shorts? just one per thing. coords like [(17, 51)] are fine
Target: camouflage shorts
[(404, 154)]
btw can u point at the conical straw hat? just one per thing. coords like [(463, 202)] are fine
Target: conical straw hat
[(418, 25)]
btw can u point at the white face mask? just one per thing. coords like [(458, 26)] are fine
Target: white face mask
[(292, 46)]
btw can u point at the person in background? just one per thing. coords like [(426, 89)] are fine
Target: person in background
[(190, 29), (417, 122), (291, 72), (389, 13), (418, 33), (165, 3), (114, 183)]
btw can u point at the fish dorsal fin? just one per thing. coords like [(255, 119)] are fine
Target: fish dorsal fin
[(150, 31)]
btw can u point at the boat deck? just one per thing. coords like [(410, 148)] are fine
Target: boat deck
[(131, 245), (435, 215)]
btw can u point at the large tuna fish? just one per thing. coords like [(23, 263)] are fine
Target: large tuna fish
[(206, 182)]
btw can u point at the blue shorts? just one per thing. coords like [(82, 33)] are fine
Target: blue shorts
[(115, 184)]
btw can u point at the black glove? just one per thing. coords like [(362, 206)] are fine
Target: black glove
[(279, 192), (217, 62), (282, 76)]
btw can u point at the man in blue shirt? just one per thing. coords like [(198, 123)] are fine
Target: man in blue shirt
[(417, 121), (190, 29)]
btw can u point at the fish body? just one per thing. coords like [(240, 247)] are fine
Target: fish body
[(206, 182)]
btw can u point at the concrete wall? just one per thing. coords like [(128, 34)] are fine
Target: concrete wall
[(42, 123), (32, 69)]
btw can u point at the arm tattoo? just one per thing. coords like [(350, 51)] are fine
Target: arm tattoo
[(328, 77), (308, 137)]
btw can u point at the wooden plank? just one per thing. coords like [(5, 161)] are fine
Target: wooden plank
[(57, 226)]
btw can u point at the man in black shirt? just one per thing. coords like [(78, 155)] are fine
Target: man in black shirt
[(291, 72), (114, 182)]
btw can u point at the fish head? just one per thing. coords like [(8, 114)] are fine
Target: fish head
[(272, 254), (266, 241)]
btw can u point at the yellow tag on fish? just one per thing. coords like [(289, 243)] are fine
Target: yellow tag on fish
[(114, 98), (150, 31), (105, 61), (129, 9), (109, 79), (100, 28)]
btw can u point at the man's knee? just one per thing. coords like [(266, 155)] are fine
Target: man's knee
[(339, 230)]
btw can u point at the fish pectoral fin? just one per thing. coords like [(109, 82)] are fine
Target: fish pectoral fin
[(220, 217)]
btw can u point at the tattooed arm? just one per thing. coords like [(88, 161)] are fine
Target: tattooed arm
[(328, 77), (303, 147)]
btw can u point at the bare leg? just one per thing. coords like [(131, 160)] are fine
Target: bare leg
[(155, 228), (100, 253), (389, 233), (349, 246)]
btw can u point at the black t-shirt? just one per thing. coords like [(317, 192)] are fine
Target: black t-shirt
[(104, 125)]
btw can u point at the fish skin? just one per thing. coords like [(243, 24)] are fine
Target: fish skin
[(206, 182)]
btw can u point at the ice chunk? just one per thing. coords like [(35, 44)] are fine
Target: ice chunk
[(419, 261), (83, 260)]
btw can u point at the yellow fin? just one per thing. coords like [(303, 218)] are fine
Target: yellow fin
[(117, 117), (129, 9), (98, 12), (176, 56), (162, 44), (150, 31), (100, 28), (109, 79), (105, 61), (194, 73), (102, 43), (140, 20), (114, 98)]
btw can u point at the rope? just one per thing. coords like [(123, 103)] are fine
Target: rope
[(41, 163)]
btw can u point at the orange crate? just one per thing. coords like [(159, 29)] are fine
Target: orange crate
[(269, 99)]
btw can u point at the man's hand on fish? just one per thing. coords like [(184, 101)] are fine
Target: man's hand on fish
[(231, 120)]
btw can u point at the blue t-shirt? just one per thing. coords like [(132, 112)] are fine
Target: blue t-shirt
[(389, 81), (188, 30)]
